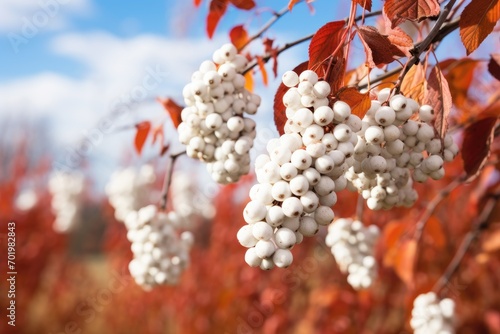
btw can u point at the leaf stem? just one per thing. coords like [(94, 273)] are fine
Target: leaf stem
[(168, 179)]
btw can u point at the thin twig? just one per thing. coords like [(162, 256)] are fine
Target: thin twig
[(266, 26), (445, 31), (432, 205), (422, 46), (168, 179), (479, 224), (287, 46)]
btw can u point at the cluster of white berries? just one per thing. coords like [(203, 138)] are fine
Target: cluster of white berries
[(393, 141), (298, 177), (129, 190), (188, 201), (214, 126), (67, 191), (160, 253), (352, 245), (431, 315)]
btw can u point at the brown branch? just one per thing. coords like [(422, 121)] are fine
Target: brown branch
[(168, 180), (432, 205), (289, 45), (480, 223), (443, 32), (424, 45), (265, 27)]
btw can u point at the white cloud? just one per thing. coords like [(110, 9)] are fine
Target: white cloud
[(51, 14), (114, 68)]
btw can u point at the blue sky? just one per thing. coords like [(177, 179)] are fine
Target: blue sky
[(90, 54)]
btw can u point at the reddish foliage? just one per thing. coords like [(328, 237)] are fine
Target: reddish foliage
[(173, 109), (477, 22), (243, 4), (217, 10), (476, 146), (263, 71), (238, 36), (439, 96), (327, 40), (359, 102), (459, 75), (142, 132), (379, 49), (399, 11)]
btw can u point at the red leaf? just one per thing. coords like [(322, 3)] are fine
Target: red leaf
[(439, 97), (404, 263), (359, 103), (379, 49), (197, 3), (325, 41), (173, 109), (399, 11), (243, 4), (262, 69), (216, 11), (477, 21), (238, 36), (401, 40), (278, 107), (141, 135), (494, 66), (476, 144), (459, 74), (366, 4)]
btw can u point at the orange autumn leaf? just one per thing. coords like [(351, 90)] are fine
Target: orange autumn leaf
[(439, 96), (404, 262), (238, 36), (359, 102), (477, 22), (434, 232), (142, 131), (325, 41), (262, 69), (378, 48), (399, 11), (459, 75), (173, 109), (249, 81), (413, 84), (216, 11)]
